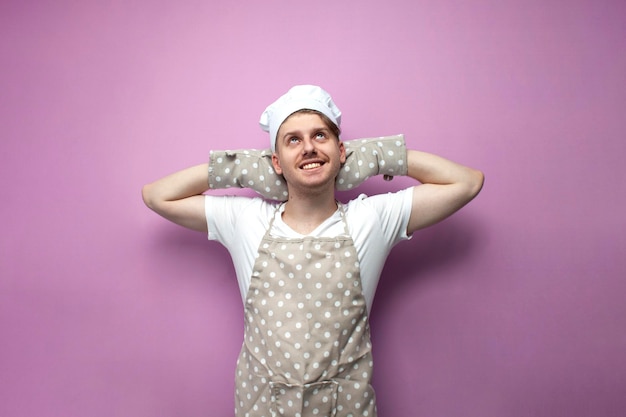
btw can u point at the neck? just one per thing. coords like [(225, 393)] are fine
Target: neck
[(304, 212)]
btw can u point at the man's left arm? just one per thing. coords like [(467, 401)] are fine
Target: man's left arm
[(445, 187)]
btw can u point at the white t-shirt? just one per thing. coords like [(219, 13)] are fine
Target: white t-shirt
[(375, 224)]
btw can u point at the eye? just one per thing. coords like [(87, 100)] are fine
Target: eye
[(293, 139), (320, 136)]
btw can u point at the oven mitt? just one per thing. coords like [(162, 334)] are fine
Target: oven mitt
[(366, 158), (252, 168), (247, 168)]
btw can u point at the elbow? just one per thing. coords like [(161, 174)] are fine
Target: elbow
[(148, 196), (153, 199), (476, 184)]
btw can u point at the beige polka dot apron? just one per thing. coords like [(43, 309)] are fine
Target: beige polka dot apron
[(306, 350)]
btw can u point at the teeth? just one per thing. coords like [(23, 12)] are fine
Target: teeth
[(311, 165)]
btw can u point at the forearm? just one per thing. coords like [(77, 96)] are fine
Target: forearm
[(432, 169)]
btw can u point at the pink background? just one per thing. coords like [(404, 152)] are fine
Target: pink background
[(513, 307)]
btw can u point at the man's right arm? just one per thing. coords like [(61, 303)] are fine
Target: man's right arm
[(446, 187), (179, 197)]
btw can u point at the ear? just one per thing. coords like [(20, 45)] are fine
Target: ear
[(276, 164), (342, 154)]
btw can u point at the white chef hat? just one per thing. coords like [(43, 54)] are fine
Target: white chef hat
[(297, 98)]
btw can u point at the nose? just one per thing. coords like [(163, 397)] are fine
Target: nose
[(308, 145)]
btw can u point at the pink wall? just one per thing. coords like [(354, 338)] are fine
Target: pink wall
[(513, 307)]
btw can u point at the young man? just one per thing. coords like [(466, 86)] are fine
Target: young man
[(308, 267)]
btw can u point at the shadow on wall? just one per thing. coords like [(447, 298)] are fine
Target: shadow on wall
[(432, 258), (179, 255), (430, 251)]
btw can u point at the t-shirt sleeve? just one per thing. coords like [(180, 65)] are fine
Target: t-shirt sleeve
[(394, 211), (222, 215)]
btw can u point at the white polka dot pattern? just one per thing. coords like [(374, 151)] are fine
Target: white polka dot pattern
[(366, 158), (306, 349), (252, 168), (249, 168)]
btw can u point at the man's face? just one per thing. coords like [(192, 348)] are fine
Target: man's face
[(307, 153)]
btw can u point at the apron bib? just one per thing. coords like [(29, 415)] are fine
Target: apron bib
[(306, 349)]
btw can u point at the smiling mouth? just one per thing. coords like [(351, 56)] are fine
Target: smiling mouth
[(312, 165)]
